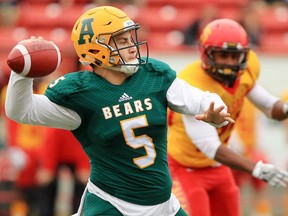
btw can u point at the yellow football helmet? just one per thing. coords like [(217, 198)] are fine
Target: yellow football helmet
[(94, 30)]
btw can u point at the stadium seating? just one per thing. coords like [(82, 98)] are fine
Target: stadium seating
[(162, 22), (274, 43), (198, 3), (49, 15), (274, 20), (166, 18)]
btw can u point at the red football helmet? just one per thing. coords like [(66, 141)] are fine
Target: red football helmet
[(224, 35)]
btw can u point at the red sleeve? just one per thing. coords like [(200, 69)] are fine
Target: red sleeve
[(76, 156), (49, 157)]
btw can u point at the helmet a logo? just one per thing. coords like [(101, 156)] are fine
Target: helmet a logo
[(86, 30)]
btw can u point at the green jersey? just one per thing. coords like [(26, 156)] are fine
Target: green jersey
[(123, 129)]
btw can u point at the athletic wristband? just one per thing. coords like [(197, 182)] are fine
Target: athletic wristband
[(285, 109)]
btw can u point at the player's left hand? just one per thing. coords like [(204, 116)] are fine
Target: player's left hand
[(270, 174), (216, 117)]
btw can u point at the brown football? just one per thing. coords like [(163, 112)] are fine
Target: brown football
[(34, 58)]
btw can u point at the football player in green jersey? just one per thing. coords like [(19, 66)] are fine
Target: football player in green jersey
[(119, 116)]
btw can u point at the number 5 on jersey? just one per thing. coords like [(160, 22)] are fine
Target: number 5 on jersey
[(128, 126)]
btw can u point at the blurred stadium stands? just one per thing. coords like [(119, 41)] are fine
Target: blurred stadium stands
[(162, 22)]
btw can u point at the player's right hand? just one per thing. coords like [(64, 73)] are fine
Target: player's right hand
[(270, 174), (217, 117)]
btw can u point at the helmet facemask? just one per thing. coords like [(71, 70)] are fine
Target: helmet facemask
[(226, 73), (117, 61)]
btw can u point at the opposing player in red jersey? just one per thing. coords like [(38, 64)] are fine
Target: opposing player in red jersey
[(27, 140), (197, 151), (54, 156)]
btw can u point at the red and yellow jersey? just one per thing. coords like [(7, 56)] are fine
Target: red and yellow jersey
[(54, 151), (285, 96), (180, 146), (246, 128), (28, 138)]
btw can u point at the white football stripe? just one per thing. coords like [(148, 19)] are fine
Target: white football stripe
[(59, 55), (27, 59)]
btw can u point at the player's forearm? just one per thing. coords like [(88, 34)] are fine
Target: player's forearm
[(262, 99), (207, 142), (272, 106), (229, 158), (18, 97), (23, 106), (190, 100)]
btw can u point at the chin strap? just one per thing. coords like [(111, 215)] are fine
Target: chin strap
[(126, 68)]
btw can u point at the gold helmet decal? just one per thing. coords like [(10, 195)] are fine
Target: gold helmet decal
[(205, 34), (86, 32)]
